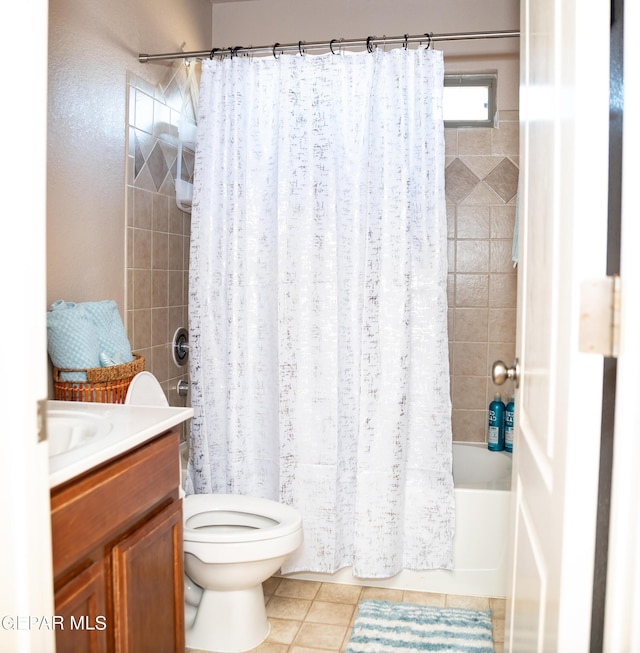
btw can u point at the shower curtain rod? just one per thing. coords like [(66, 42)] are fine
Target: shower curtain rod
[(301, 47)]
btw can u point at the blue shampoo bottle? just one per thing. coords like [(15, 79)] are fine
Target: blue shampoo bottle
[(496, 424), (508, 426)]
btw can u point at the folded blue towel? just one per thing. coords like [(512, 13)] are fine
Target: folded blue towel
[(72, 340), (114, 344), (86, 335)]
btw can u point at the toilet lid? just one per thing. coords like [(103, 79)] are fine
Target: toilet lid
[(263, 519), (144, 390)]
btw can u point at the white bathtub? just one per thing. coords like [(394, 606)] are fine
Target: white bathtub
[(482, 489)]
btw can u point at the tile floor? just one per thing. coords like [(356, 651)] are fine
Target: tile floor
[(315, 617)]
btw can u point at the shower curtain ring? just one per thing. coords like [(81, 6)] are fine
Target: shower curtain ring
[(274, 50), (234, 51), (331, 42), (429, 41), (406, 41), (369, 45), (212, 53), (300, 50)]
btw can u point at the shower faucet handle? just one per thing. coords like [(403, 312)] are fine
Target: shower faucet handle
[(500, 372), (180, 349)]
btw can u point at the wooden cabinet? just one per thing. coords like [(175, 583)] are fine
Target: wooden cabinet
[(117, 555)]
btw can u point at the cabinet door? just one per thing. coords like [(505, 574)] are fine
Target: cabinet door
[(80, 609), (149, 586)]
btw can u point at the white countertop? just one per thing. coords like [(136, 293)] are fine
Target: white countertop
[(119, 428)]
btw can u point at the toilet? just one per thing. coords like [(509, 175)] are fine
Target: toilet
[(232, 544)]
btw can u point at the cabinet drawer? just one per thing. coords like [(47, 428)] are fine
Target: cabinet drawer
[(93, 510)]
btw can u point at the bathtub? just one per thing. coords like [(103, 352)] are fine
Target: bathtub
[(482, 490)]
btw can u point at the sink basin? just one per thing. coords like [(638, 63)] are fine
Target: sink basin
[(83, 435), (69, 429)]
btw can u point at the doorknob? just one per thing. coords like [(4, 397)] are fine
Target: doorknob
[(500, 372)]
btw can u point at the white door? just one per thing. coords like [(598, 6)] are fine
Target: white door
[(26, 586), (563, 225)]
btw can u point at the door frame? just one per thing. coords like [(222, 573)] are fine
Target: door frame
[(622, 628)]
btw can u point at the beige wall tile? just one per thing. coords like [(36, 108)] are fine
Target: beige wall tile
[(506, 139), (451, 142), (142, 209), (471, 324), (451, 255), (501, 260), (142, 248), (469, 425), (472, 256), (459, 181), (474, 141), (160, 212), (160, 288), (141, 329), (502, 324), (160, 254), (451, 220), (503, 179), (471, 290), (157, 255), (160, 361), (482, 195), (469, 392), (142, 289), (502, 221), (159, 326), (470, 358), (473, 221), (503, 290), (482, 165)]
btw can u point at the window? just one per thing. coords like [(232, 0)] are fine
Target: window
[(469, 100)]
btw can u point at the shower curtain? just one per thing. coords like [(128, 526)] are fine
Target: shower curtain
[(317, 302)]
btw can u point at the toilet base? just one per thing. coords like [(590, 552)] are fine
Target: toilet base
[(229, 621)]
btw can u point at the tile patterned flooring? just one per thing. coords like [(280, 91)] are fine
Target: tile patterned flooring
[(315, 617)]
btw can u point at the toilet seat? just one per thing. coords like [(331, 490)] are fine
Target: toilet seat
[(145, 390), (239, 519)]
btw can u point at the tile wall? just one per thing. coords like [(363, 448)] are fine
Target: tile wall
[(481, 184), (157, 231)]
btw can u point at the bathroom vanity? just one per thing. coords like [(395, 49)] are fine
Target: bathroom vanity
[(116, 531)]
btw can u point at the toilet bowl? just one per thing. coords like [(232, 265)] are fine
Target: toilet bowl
[(232, 544)]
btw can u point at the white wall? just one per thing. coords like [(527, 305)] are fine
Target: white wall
[(92, 44), (265, 22)]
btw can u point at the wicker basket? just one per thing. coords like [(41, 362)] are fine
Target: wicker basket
[(103, 384)]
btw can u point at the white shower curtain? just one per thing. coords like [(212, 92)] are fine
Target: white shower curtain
[(317, 302)]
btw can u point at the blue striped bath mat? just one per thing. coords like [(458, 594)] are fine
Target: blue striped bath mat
[(384, 627)]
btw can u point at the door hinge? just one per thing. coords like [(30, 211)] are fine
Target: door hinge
[(42, 420), (600, 316)]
